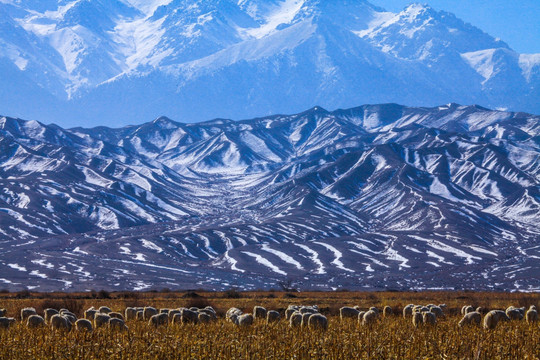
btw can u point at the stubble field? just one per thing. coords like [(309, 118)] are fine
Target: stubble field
[(392, 337)]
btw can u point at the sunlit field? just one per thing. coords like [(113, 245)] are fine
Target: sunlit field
[(390, 337)]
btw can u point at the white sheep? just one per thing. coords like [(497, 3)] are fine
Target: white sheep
[(204, 318), (35, 321), (272, 316), (117, 324), (104, 310), (140, 314), (348, 312), (514, 314), (48, 313), (172, 313), (387, 311), (295, 320), (245, 320), (361, 317), (158, 320), (472, 318), (84, 325), (209, 312), (189, 316), (318, 322), (305, 318), (60, 322), (408, 310), (417, 319), (116, 315), (373, 308), (148, 312), (531, 316), (370, 317), (259, 312), (429, 318), (26, 312), (437, 311), (90, 314), (493, 317), (290, 310), (130, 314), (101, 320), (233, 311)]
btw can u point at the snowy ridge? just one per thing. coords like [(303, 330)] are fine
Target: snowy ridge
[(352, 198), (138, 59)]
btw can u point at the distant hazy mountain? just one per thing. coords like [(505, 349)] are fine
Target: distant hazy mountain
[(378, 196), (98, 61)]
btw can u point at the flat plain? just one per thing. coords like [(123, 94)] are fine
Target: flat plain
[(392, 337)]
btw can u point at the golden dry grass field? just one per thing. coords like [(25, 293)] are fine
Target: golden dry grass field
[(389, 338)]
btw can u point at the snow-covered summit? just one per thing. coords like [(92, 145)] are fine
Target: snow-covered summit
[(109, 56)]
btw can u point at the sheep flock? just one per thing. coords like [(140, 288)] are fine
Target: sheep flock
[(296, 316)]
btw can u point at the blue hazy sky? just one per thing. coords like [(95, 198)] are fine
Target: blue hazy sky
[(517, 22)]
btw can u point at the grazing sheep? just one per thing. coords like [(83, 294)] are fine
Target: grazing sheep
[(467, 309), (245, 320), (369, 317), (318, 322), (272, 316), (5, 322), (101, 320), (233, 311), (348, 312), (305, 318), (533, 307), (259, 312), (429, 318), (148, 312), (295, 320), (117, 324), (482, 310), (373, 308), (116, 315), (208, 312), (514, 314), (290, 310), (189, 316), (172, 313), (194, 308), (130, 314), (417, 319), (472, 318), (3, 313), (408, 310), (48, 314), (140, 314), (60, 322), (531, 316), (26, 312), (84, 325), (158, 320), (493, 317), (437, 311), (361, 317), (387, 311), (71, 318), (204, 318), (35, 321), (308, 310), (104, 310), (90, 314)]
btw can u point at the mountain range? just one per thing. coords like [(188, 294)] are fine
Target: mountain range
[(373, 197), (127, 61)]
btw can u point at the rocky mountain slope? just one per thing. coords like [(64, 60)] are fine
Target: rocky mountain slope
[(378, 196)]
